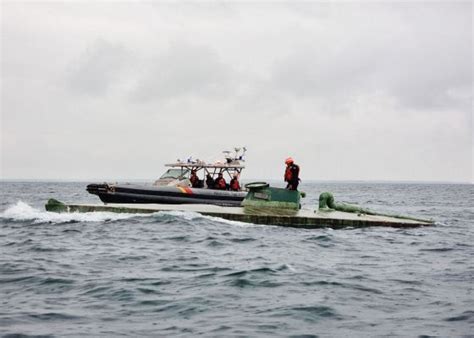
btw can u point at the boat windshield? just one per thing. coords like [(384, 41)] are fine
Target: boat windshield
[(175, 173)]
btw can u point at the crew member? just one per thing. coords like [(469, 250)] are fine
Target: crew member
[(234, 183), (210, 181), (292, 174), (220, 182), (194, 179)]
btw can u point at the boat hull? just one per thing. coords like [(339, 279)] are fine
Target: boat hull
[(301, 218), (130, 193)]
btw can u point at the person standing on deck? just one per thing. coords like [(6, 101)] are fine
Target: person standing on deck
[(292, 174)]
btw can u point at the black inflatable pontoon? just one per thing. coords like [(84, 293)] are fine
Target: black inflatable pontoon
[(131, 193)]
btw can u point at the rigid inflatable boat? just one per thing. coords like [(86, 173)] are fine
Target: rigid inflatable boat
[(131, 193), (174, 186)]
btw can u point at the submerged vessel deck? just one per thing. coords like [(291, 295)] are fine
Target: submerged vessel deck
[(270, 216)]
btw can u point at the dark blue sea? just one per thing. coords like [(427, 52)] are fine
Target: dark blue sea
[(183, 274)]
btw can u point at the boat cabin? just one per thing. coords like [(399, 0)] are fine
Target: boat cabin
[(179, 173)]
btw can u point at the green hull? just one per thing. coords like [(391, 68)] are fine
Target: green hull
[(261, 195), (257, 215), (265, 205)]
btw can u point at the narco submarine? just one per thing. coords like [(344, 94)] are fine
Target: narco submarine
[(258, 203)]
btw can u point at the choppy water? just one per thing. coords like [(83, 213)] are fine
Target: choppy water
[(173, 274)]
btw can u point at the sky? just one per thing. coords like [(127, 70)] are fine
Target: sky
[(374, 91)]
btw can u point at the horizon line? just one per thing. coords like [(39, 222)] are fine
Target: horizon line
[(71, 180)]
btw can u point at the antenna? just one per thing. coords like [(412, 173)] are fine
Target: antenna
[(241, 157)]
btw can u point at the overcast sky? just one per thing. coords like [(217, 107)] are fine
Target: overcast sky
[(353, 91)]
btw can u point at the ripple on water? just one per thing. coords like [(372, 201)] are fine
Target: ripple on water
[(39, 284), (345, 285), (153, 302), (442, 249), (308, 313), (246, 283), (319, 238), (406, 281), (72, 231), (52, 280), (39, 248), (179, 238), (242, 240), (148, 291), (133, 258), (52, 316), (265, 271), (260, 277), (467, 316), (193, 268), (22, 335), (184, 274), (216, 243)]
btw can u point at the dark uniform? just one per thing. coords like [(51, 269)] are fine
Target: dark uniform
[(210, 181), (194, 180)]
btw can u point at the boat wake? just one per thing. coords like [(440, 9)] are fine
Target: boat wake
[(195, 216), (237, 223), (186, 215), (22, 211)]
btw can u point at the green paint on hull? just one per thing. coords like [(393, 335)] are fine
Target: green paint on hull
[(56, 206), (265, 205), (326, 203), (269, 216), (261, 195)]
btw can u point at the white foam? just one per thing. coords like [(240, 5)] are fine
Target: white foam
[(228, 221), (288, 266), (21, 211), (187, 215), (191, 215)]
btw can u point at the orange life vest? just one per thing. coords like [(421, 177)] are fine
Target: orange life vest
[(234, 184), (292, 173), (288, 174), (221, 183)]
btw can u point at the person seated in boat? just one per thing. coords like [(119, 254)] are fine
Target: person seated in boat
[(195, 181), (292, 174), (234, 183), (220, 183), (210, 181)]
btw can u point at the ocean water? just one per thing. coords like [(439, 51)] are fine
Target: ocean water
[(183, 274)]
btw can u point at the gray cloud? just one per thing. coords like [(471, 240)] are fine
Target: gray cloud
[(412, 55), (181, 70), (372, 91), (99, 68)]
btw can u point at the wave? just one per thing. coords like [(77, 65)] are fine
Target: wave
[(230, 222), (186, 215), (21, 211), (193, 216)]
